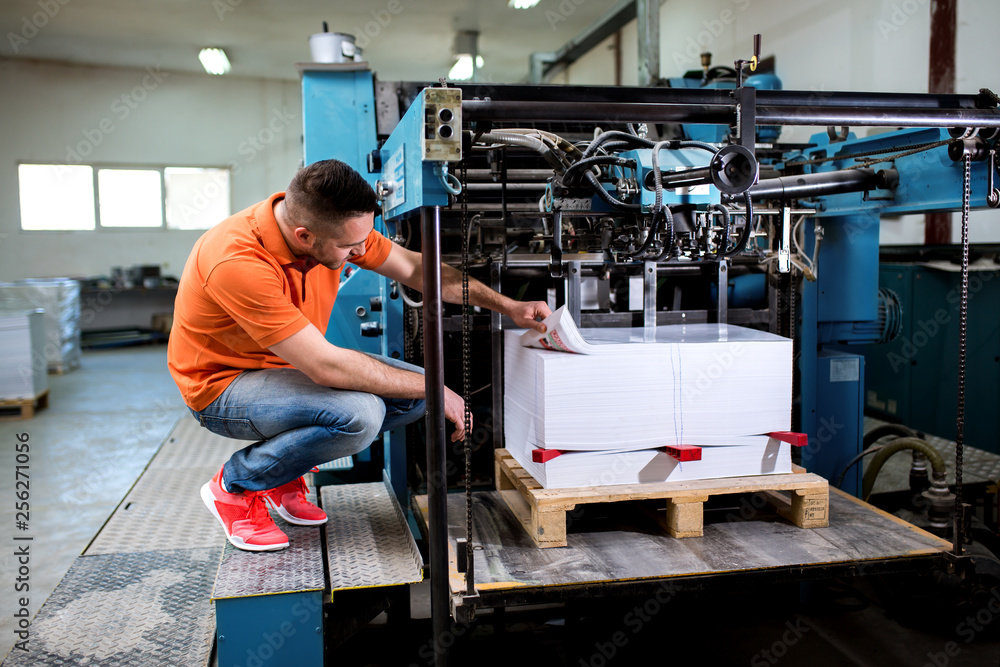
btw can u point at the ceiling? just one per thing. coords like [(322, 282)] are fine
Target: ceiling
[(407, 40)]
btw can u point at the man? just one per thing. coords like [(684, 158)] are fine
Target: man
[(248, 353)]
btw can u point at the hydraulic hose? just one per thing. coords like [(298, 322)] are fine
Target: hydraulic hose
[(724, 242), (668, 245), (589, 162), (615, 134), (880, 432), (741, 244), (883, 455), (607, 197), (524, 141), (869, 447)]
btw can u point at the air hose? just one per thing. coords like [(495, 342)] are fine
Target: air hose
[(901, 444)]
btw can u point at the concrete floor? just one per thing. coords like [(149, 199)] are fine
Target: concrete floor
[(104, 422)]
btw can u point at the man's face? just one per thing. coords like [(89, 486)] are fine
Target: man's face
[(347, 244)]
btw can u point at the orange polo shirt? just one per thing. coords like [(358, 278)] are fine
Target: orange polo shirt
[(240, 294)]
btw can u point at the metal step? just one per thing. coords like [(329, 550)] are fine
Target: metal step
[(368, 543), (345, 463)]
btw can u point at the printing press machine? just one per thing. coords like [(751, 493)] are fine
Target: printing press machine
[(641, 207)]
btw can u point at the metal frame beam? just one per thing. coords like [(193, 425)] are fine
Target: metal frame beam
[(547, 65)]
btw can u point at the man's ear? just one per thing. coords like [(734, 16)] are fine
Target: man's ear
[(304, 236)]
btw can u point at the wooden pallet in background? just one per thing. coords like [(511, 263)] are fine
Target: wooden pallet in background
[(23, 408), (800, 497)]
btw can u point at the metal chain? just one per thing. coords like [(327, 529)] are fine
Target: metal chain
[(878, 151), (913, 151), (962, 337), (467, 378)]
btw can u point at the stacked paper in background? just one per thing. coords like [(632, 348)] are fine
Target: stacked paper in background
[(60, 299), (611, 400), (23, 370)]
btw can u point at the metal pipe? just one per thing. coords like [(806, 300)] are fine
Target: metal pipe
[(648, 28), (877, 117), (437, 483), (724, 114), (815, 185), (515, 174), (511, 187), (598, 111), (655, 95)]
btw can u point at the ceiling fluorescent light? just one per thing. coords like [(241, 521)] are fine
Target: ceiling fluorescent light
[(522, 4), (462, 70), (215, 61)]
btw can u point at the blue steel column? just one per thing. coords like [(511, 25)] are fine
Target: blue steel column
[(437, 483)]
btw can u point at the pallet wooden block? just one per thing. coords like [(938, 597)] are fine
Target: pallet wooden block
[(23, 408), (542, 512)]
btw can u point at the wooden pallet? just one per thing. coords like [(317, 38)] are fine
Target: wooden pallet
[(542, 512), (23, 408)]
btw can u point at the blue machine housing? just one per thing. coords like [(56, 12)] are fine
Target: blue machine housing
[(842, 306), (339, 123), (414, 183)]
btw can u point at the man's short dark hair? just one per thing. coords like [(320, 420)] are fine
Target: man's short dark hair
[(326, 193)]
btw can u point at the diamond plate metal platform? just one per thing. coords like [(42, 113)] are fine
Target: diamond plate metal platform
[(192, 446), (162, 511), (368, 542), (345, 463), (132, 610), (295, 569)]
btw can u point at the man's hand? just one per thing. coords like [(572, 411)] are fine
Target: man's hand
[(527, 313), (454, 411)]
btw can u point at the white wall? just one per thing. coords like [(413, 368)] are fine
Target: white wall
[(822, 45), (170, 118)]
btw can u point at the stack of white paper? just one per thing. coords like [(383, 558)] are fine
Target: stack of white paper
[(613, 391), (755, 455), (23, 369)]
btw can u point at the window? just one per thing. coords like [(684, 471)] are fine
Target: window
[(196, 198), (130, 198), (57, 197)]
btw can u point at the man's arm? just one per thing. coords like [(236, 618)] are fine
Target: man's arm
[(406, 266), (331, 366)]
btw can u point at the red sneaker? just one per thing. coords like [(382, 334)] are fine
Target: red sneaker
[(244, 517), (289, 501)]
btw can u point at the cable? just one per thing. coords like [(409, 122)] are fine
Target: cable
[(408, 301), (724, 241), (615, 134), (449, 181), (658, 217), (607, 197), (741, 244), (579, 165)]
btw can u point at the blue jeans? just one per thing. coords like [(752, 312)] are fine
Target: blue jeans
[(297, 424)]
